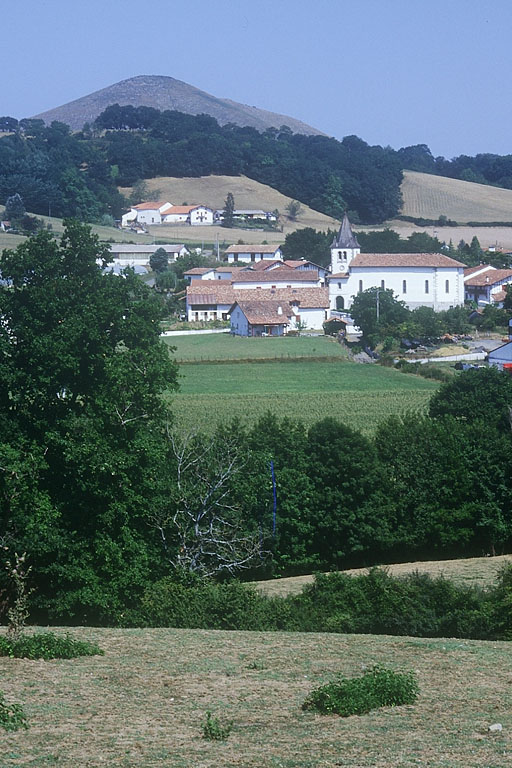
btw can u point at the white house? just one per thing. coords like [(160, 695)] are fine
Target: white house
[(248, 254), (145, 213), (419, 279), (485, 284), (130, 255), (280, 277), (193, 215), (246, 214)]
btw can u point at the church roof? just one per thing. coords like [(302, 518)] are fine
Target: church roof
[(404, 260), (345, 237)]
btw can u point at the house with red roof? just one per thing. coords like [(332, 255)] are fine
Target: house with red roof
[(193, 215), (145, 213), (486, 285)]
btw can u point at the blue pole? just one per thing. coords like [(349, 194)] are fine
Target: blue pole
[(274, 497)]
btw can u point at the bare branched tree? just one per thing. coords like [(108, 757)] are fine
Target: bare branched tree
[(204, 529)]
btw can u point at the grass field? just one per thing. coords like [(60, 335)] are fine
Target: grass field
[(306, 389), (142, 705), (475, 570), (227, 347)]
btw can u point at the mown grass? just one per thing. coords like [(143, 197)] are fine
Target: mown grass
[(224, 346), (481, 571), (142, 705)]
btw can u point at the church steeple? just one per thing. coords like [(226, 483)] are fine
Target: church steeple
[(344, 247)]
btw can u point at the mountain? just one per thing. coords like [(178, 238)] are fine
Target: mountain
[(167, 93)]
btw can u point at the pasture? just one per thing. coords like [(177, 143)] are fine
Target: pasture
[(481, 571), (227, 347), (142, 705)]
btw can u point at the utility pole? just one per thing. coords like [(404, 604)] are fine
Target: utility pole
[(378, 307)]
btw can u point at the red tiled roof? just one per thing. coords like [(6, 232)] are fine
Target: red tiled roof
[(481, 267), (215, 292), (264, 264), (252, 248), (491, 277), (499, 296), (264, 312), (278, 275), (338, 275), (153, 205), (181, 209), (403, 260), (198, 270)]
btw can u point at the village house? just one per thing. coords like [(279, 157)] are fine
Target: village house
[(260, 318), (253, 253), (485, 284), (193, 215), (501, 358), (419, 279), (145, 213), (243, 214), (130, 254)]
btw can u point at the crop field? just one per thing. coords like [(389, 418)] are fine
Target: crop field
[(142, 705), (359, 395), (475, 570), (430, 196)]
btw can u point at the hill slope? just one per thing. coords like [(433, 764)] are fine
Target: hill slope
[(427, 196), (163, 93)]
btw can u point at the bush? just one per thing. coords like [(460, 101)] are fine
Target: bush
[(46, 645), (379, 687), (12, 716), (214, 730)]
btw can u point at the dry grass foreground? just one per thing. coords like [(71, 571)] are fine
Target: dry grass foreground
[(474, 570), (143, 703)]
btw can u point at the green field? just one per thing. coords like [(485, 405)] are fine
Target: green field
[(227, 347), (305, 389), (143, 703)]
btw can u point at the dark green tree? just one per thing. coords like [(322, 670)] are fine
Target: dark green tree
[(14, 209), (482, 394), (308, 244), (378, 313), (159, 260), (229, 208), (82, 372)]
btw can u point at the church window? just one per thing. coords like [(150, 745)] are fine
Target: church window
[(426, 286), (382, 284), (404, 286), (344, 255), (447, 286), (360, 286), (339, 285)]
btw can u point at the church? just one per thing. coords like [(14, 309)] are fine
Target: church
[(419, 279)]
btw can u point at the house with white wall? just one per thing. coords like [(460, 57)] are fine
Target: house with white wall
[(419, 279), (248, 254), (131, 254), (145, 213), (485, 284), (192, 215)]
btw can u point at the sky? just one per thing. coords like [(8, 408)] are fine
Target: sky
[(394, 72)]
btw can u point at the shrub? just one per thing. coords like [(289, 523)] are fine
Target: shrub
[(12, 716), (379, 687), (46, 645), (214, 730)]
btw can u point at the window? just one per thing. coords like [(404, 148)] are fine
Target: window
[(382, 285), (447, 286), (404, 286), (426, 286), (344, 255), (360, 286), (273, 286), (339, 285)]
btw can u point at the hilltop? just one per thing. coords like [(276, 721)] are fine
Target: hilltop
[(164, 93)]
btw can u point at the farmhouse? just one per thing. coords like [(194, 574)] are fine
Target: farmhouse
[(253, 253), (145, 213), (501, 357), (193, 215), (419, 279), (485, 284), (130, 255), (259, 318)]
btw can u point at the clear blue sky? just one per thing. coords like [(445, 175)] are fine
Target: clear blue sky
[(394, 72)]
